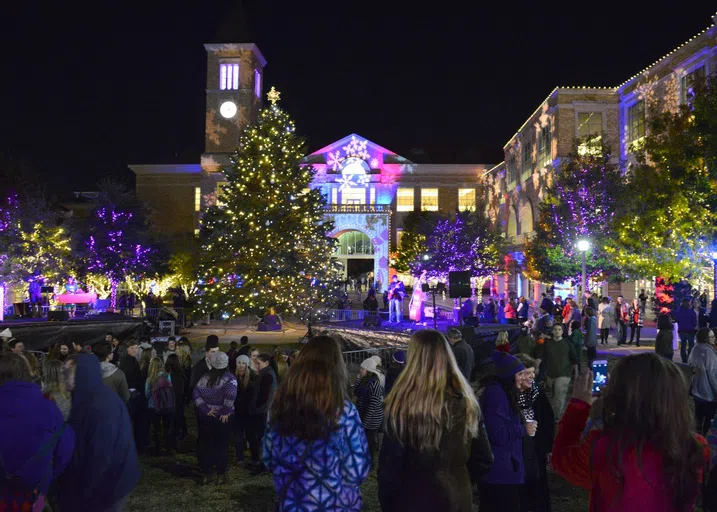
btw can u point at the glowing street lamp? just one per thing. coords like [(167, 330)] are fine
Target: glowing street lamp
[(583, 247)]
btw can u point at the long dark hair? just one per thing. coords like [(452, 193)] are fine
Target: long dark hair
[(309, 403), (645, 404), (173, 366), (215, 374)]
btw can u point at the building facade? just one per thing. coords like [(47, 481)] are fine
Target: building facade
[(370, 189), (515, 187)]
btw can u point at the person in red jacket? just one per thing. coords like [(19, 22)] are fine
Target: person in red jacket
[(640, 452)]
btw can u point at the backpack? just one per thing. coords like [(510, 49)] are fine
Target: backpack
[(162, 395)]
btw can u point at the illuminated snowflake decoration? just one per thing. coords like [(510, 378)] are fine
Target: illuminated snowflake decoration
[(356, 148), (346, 181)]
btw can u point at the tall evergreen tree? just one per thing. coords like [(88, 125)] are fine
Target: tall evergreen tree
[(581, 203), (266, 244)]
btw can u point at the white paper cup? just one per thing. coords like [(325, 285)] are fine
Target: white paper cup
[(531, 422)]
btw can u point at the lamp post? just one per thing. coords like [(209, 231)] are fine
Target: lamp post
[(583, 247), (714, 273)]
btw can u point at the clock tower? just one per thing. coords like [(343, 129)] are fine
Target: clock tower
[(235, 74)]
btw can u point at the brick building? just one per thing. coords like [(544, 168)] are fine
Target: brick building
[(515, 187), (370, 189)]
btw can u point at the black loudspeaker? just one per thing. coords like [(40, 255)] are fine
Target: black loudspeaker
[(459, 284), (58, 316)]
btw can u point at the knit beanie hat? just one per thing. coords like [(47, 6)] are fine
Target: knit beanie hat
[(212, 342), (399, 356), (377, 359), (244, 359), (219, 360), (369, 365), (506, 365)]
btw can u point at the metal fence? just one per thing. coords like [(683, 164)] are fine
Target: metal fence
[(353, 358)]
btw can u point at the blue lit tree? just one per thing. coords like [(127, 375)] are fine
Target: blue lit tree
[(464, 242)]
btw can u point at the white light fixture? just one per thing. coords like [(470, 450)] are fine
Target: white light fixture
[(583, 245), (228, 109), (714, 255)]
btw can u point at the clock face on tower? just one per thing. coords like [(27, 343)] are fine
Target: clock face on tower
[(228, 109)]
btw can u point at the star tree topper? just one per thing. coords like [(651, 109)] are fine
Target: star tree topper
[(273, 95)]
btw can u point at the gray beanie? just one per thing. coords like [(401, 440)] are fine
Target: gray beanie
[(218, 360), (244, 359)]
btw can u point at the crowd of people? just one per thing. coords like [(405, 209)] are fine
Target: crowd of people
[(441, 421)]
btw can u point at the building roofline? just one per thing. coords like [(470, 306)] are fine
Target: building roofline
[(669, 54), (217, 47), (165, 168)]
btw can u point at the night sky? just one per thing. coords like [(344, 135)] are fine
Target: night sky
[(87, 90)]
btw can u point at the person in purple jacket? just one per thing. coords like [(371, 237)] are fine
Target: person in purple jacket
[(35, 443), (214, 397), (499, 488)]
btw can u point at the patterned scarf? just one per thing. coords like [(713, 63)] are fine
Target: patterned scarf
[(526, 400)]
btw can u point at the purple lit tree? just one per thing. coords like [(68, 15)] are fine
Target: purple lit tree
[(118, 242), (582, 201), (464, 242)]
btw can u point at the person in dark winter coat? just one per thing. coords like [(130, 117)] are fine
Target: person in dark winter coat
[(500, 488), (137, 404), (665, 335), (534, 405), (394, 369), (262, 396), (104, 468), (246, 379), (29, 422), (202, 366), (462, 352), (428, 460), (176, 374)]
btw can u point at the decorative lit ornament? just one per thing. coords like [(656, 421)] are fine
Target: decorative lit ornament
[(273, 95)]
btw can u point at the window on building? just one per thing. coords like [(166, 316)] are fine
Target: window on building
[(399, 236), (527, 159), (354, 242), (512, 168), (636, 121), (229, 76), (220, 192), (526, 218), (589, 124), (372, 195), (404, 200), (512, 223), (545, 145), (353, 195), (197, 199), (334, 195), (257, 83), (466, 199), (688, 84), (429, 199)]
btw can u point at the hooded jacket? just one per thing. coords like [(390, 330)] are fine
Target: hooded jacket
[(104, 468), (27, 422), (115, 379), (704, 383)]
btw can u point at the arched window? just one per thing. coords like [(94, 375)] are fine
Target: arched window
[(354, 243), (526, 217), (512, 222)]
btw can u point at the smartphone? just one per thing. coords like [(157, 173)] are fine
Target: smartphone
[(599, 375)]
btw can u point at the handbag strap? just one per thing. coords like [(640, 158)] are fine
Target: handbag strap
[(44, 450), (295, 472)]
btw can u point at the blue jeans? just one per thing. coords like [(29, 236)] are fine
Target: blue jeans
[(621, 332), (686, 339), (395, 310)]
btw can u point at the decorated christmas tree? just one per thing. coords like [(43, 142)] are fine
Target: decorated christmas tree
[(266, 244)]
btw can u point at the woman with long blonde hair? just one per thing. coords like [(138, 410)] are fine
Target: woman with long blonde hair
[(54, 387), (433, 433), (160, 401)]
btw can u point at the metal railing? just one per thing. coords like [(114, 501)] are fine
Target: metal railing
[(357, 208), (354, 358)]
